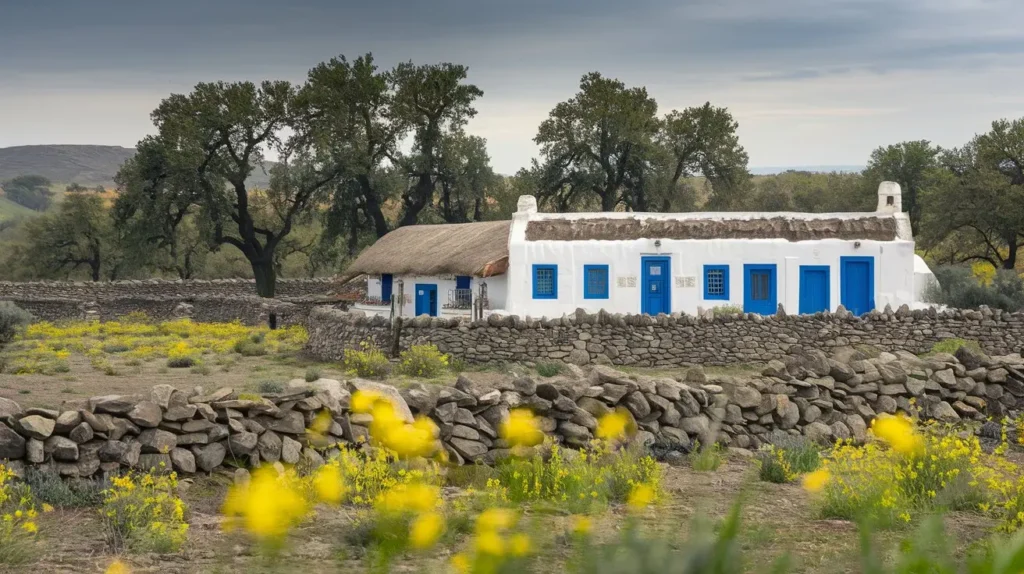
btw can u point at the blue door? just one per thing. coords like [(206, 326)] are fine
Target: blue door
[(656, 294), (814, 289), (426, 299), (857, 284), (759, 289), (386, 285)]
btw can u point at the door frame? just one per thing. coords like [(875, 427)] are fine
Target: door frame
[(843, 283), (828, 286), (645, 278), (773, 287), (428, 287)]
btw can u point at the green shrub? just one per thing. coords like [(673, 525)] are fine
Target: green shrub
[(116, 348), (951, 346), (728, 310), (50, 488), (201, 369), (787, 458), (706, 459), (181, 362), (549, 368), (270, 387), (13, 320), (369, 362), (250, 348), (135, 318), (143, 513), (456, 364), (957, 286), (423, 361), (312, 374)]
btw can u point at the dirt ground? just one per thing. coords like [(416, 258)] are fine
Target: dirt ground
[(777, 519)]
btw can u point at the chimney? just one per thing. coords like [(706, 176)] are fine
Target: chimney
[(526, 204), (889, 198)]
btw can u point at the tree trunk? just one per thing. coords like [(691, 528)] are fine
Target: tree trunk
[(414, 203), (608, 200), (266, 277), (1011, 261), (373, 207)]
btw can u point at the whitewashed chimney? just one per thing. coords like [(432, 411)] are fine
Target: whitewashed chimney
[(889, 198), (527, 204)]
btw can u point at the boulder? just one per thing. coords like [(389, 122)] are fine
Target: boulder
[(419, 398), (157, 441), (61, 448), (387, 391), (637, 404), (154, 462), (468, 449), (269, 446), (12, 444), (82, 433), (113, 451), (99, 423), (970, 359), (857, 427), (146, 414), (841, 372), (593, 406), (180, 413), (334, 396), (183, 460), (35, 452), (574, 433), (943, 412), (112, 404), (744, 396), (292, 423), (698, 426), (36, 426), (9, 409), (291, 450), (945, 377), (66, 421), (818, 432), (210, 456)]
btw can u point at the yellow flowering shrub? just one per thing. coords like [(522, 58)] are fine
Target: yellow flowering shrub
[(499, 544), (143, 513), (267, 506), (18, 525), (369, 362), (423, 361), (907, 469)]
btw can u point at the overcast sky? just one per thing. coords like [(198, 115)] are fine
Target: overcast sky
[(811, 82)]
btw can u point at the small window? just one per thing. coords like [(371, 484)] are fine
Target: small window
[(386, 287), (716, 282), (545, 282), (890, 201), (595, 281)]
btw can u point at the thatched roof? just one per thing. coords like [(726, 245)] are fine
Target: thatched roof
[(762, 226), (476, 249)]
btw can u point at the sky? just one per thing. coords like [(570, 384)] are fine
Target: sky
[(811, 82)]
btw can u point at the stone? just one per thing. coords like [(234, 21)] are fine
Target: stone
[(161, 395), (524, 386), (61, 448), (818, 432), (453, 395), (154, 462), (578, 357), (113, 451), (34, 451), (547, 391), (269, 446), (292, 423), (192, 438), (886, 404), (11, 444), (698, 426), (180, 413), (36, 426), (99, 423), (892, 389), (811, 414), (585, 419), (291, 450), (214, 397), (183, 460), (157, 441), (66, 421), (146, 414), (468, 449), (998, 375), (419, 399), (210, 456), (789, 415), (334, 396), (970, 359), (574, 433), (668, 389), (203, 425), (637, 404), (945, 377), (687, 404), (745, 397), (670, 417), (840, 431), (446, 412), (841, 372), (564, 404), (858, 428), (464, 417), (387, 391), (465, 432), (593, 406), (915, 387), (943, 412), (9, 409), (112, 404), (891, 373), (82, 433)]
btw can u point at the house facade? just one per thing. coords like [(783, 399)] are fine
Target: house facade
[(626, 262)]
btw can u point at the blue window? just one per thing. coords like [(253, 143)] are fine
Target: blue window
[(545, 281), (386, 285), (462, 281), (595, 281), (716, 282), (759, 289)]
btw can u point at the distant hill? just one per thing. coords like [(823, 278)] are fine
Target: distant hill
[(810, 168), (88, 165), (11, 210)]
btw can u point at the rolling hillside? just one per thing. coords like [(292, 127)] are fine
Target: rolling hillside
[(10, 210), (88, 165)]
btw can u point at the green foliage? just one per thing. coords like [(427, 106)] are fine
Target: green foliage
[(249, 348), (549, 368), (951, 346), (31, 191), (368, 362), (706, 458), (787, 458), (181, 362), (728, 310), (13, 320), (422, 361), (312, 374), (957, 286), (910, 164), (50, 488), (270, 387)]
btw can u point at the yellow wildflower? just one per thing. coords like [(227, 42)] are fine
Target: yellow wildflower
[(816, 481), (494, 519), (490, 542), (363, 401), (613, 425), (425, 530), (328, 484), (641, 496), (117, 567), (519, 544), (899, 432), (268, 505), (581, 525), (30, 527), (522, 429), (47, 507), (460, 563)]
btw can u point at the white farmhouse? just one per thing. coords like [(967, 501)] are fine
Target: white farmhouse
[(550, 264)]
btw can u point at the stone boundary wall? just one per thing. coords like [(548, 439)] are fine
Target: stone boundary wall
[(249, 310), (92, 291), (675, 340), (811, 394)]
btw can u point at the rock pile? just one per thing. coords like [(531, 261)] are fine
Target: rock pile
[(823, 397)]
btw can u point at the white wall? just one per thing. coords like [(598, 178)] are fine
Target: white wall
[(496, 292), (894, 270)]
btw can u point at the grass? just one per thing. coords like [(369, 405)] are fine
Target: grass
[(549, 369), (706, 458), (951, 346)]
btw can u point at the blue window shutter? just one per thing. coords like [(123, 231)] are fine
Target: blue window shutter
[(545, 281), (595, 282), (462, 281), (716, 282), (386, 284)]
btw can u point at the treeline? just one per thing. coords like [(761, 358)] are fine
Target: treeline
[(360, 151)]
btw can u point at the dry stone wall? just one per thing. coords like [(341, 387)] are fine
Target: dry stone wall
[(665, 340), (823, 397), (92, 291), (249, 310)]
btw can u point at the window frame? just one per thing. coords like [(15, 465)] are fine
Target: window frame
[(724, 296), (554, 280), (587, 293)]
